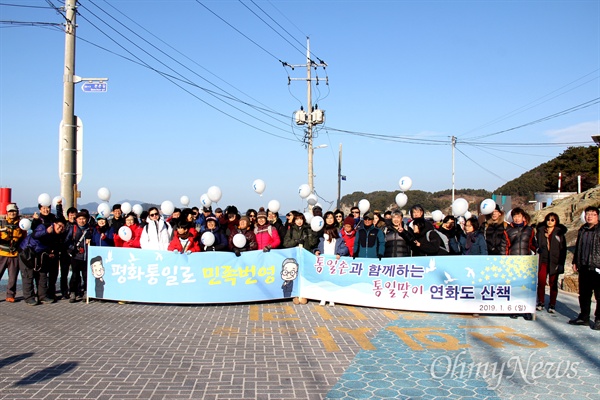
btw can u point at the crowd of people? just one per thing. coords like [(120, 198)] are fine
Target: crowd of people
[(57, 245)]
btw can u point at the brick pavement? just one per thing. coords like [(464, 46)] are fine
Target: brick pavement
[(278, 350)]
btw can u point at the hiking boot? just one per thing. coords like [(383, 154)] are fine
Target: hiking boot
[(539, 307), (72, 298), (528, 317), (579, 321), (551, 310), (596, 325), (47, 301), (31, 302), (10, 299)]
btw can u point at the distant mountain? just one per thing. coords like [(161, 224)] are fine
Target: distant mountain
[(91, 207)]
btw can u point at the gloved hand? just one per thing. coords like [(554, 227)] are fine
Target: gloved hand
[(379, 256), (267, 248), (175, 251), (237, 252)]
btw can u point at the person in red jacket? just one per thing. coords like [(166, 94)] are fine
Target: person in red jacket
[(183, 240), (348, 234), (267, 236), (136, 232)]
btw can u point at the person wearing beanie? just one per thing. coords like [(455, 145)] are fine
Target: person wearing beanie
[(348, 234), (244, 229), (267, 236), (103, 235)]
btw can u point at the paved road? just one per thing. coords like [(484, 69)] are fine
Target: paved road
[(279, 350)]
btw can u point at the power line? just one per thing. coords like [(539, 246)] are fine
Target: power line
[(24, 6), (480, 166)]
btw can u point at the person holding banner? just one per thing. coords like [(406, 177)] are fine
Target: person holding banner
[(471, 242), (244, 229), (300, 234), (136, 232), (348, 234), (267, 236), (156, 235), (331, 244), (586, 261), (184, 240), (494, 230)]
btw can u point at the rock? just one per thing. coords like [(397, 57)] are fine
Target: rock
[(570, 283)]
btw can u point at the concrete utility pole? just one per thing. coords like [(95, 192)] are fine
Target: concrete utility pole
[(68, 139), (339, 191), (453, 145)]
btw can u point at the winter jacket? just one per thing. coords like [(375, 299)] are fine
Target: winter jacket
[(348, 239), (251, 243), (340, 248), (188, 245), (553, 249), (369, 243), (134, 242), (156, 235), (396, 243), (429, 241), (76, 241), (496, 237), (106, 238), (220, 244), (300, 235), (473, 244), (267, 237), (281, 230), (11, 237), (587, 247), (521, 240)]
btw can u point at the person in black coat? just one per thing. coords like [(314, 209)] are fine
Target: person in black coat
[(552, 255)]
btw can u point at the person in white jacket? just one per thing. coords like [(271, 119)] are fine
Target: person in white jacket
[(156, 235)]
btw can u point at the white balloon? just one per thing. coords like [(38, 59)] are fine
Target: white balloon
[(167, 207), (364, 205), (55, 200), (205, 201), (468, 215), (304, 190), (137, 209), (405, 183), (312, 199), (125, 233), (208, 238), (103, 210), (25, 224), (487, 206), (214, 193), (460, 207), (239, 240), (104, 194), (44, 200), (274, 206), (582, 216), (308, 216), (185, 201), (508, 216), (126, 208), (259, 186), (317, 223), (437, 215), (401, 199)]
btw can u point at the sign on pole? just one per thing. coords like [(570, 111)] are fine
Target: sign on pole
[(94, 87)]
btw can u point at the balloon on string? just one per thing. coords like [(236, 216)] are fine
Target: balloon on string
[(126, 208), (239, 240), (44, 200), (508, 216), (308, 216), (312, 199), (259, 186), (184, 200), (364, 206), (137, 209), (317, 223), (401, 199), (104, 194), (405, 183), (167, 207), (468, 215), (487, 206), (214, 193), (459, 207), (205, 201), (304, 190), (208, 238), (125, 233), (274, 206), (55, 200), (25, 224), (437, 215), (103, 210), (583, 217)]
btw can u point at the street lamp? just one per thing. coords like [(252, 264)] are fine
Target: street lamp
[(596, 140)]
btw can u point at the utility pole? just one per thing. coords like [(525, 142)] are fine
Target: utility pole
[(68, 136), (339, 192), (312, 116), (453, 138)]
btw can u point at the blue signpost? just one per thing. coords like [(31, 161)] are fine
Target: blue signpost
[(91, 87)]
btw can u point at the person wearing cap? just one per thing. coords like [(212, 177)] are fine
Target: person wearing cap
[(494, 231), (370, 241), (103, 235), (201, 220), (222, 218), (396, 237), (348, 234), (78, 239), (267, 237), (39, 255), (157, 233), (221, 243), (11, 236), (244, 229)]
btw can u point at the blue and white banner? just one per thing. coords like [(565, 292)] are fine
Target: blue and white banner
[(468, 284), (464, 284)]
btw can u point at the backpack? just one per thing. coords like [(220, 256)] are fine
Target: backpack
[(445, 244)]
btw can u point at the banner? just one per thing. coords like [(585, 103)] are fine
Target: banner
[(467, 284)]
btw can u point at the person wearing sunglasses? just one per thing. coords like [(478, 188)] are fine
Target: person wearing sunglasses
[(157, 233), (552, 253)]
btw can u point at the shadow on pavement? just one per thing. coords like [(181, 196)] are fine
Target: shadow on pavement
[(14, 359), (47, 373)]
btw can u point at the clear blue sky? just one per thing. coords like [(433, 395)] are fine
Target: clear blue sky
[(424, 70)]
